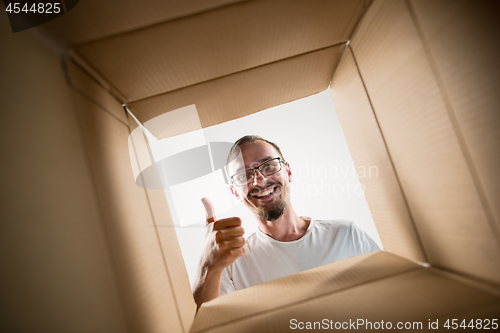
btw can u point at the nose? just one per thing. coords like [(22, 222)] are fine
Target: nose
[(258, 178)]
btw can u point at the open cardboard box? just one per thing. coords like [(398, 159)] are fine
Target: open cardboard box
[(416, 89)]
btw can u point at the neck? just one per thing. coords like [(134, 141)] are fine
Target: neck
[(287, 228)]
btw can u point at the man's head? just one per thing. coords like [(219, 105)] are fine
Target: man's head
[(259, 176)]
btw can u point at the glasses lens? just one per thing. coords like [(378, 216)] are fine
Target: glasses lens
[(270, 167), (243, 177), (266, 169)]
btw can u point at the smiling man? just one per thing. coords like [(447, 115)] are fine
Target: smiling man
[(284, 242)]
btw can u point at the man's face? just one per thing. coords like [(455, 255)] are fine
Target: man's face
[(267, 196)]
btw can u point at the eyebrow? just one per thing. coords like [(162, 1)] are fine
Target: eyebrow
[(262, 160)]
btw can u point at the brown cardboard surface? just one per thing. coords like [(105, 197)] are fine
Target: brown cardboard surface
[(95, 19), (423, 144), (464, 48), (102, 251), (141, 158), (315, 283), (57, 273), (132, 237), (173, 258), (246, 92), (175, 122), (84, 66), (487, 310), (84, 84), (410, 294), (177, 54), (366, 144), (417, 296), (165, 230)]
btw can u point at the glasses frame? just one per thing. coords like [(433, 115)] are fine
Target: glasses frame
[(280, 160)]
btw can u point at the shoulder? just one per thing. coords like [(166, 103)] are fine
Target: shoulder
[(341, 229), (252, 243), (252, 239), (337, 225), (346, 227), (347, 233), (331, 231)]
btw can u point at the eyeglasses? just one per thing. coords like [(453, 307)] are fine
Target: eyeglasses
[(268, 168)]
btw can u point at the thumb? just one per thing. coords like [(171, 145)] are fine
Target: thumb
[(209, 210)]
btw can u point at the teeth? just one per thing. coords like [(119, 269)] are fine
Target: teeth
[(263, 194)]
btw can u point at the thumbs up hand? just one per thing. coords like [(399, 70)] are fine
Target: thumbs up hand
[(209, 210), (224, 242)]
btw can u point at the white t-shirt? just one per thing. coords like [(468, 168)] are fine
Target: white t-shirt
[(268, 259)]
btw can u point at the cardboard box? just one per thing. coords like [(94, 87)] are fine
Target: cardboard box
[(415, 86)]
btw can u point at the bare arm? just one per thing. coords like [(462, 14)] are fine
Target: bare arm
[(207, 286), (224, 243)]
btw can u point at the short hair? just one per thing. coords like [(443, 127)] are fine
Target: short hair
[(249, 139)]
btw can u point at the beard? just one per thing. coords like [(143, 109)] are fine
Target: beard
[(270, 213)]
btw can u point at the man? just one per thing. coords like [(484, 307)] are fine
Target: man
[(284, 242)]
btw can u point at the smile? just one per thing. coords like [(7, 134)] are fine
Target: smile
[(265, 194)]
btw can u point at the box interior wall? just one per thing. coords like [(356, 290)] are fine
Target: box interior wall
[(414, 88)]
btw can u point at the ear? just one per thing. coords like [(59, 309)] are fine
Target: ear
[(235, 193), (288, 172)]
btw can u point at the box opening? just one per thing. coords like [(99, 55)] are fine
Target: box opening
[(325, 182)]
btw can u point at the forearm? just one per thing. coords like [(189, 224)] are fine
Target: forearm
[(207, 286)]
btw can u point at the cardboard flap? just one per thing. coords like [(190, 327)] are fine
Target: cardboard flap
[(231, 39), (151, 274), (366, 289), (368, 149), (244, 93), (462, 42), (95, 19), (299, 288), (426, 143)]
